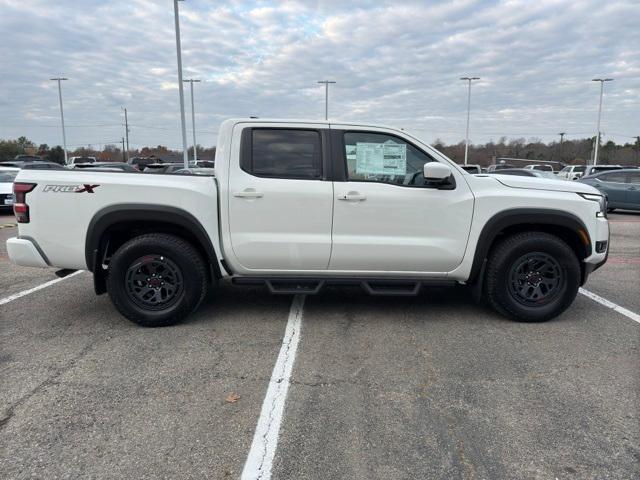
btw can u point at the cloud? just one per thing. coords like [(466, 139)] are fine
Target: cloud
[(395, 63)]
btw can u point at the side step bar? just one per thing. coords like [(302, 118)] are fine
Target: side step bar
[(373, 286)]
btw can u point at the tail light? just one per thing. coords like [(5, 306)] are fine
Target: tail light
[(20, 207)]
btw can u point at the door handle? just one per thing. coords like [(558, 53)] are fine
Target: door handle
[(352, 197), (248, 193)]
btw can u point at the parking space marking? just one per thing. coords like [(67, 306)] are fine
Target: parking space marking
[(15, 296), (603, 301), (265, 439)]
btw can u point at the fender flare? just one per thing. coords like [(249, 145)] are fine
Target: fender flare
[(524, 216), (132, 212)]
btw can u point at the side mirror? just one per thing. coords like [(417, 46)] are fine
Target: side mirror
[(436, 172)]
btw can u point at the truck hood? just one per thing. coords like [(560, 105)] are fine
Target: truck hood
[(536, 183)]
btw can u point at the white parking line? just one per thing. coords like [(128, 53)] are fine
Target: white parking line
[(603, 301), (15, 296), (265, 439)]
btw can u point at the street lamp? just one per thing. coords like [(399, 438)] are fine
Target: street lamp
[(126, 132), (326, 97), (466, 144), (562, 134), (601, 80), (193, 119), (176, 15), (64, 135)]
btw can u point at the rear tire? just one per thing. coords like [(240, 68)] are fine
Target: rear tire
[(532, 277), (156, 280)]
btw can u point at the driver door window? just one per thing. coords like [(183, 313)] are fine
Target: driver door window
[(376, 157)]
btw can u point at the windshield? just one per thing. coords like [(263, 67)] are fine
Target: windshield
[(8, 176)]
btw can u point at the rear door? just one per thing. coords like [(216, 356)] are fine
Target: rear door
[(386, 219), (633, 190), (280, 202), (614, 185)]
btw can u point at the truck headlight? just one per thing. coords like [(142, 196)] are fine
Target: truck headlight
[(602, 202)]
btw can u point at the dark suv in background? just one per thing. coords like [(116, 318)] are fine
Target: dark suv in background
[(140, 163)]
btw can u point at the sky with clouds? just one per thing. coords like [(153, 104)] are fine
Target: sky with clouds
[(396, 63)]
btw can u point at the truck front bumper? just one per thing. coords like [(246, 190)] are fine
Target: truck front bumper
[(597, 258), (25, 252)]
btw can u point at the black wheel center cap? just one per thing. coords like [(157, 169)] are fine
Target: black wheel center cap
[(535, 280)]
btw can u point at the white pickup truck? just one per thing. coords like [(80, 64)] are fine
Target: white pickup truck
[(299, 205)]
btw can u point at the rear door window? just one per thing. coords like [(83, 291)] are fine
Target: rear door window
[(633, 177), (613, 177), (284, 153)]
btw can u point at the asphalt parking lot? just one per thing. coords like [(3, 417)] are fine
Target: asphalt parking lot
[(426, 387)]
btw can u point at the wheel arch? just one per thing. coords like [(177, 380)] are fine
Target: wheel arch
[(112, 226), (557, 222)]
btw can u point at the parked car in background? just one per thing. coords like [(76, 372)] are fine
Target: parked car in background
[(164, 167), (27, 158), (500, 166), (75, 160), (43, 166), (40, 165), (196, 171), (523, 172), (7, 176), (205, 163), (593, 169), (140, 163), (471, 168), (542, 167), (571, 172), (621, 187), (124, 167)]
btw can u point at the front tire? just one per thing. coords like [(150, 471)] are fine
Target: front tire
[(532, 277), (156, 280)]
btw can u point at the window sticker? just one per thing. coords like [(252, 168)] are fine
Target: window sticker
[(379, 158)]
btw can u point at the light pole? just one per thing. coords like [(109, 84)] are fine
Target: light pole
[(562, 134), (326, 97), (126, 132), (176, 15), (64, 135), (601, 80), (193, 120), (466, 144)]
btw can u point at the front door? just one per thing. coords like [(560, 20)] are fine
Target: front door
[(386, 218), (280, 205)]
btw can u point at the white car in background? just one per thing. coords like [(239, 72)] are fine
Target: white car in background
[(76, 160), (537, 166), (7, 176), (571, 172)]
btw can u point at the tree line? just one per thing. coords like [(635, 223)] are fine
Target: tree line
[(571, 152), (109, 153)]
